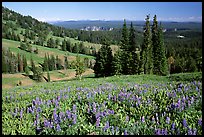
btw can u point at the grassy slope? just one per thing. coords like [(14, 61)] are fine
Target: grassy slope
[(123, 80)]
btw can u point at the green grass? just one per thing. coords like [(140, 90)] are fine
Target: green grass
[(11, 80), (13, 45)]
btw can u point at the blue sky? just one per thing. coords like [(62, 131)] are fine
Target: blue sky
[(53, 11)]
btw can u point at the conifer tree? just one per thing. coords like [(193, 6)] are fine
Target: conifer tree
[(103, 65), (117, 68), (145, 53), (45, 64), (162, 54), (66, 63), (79, 67), (24, 62)]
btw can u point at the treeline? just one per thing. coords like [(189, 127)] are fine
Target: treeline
[(12, 63), (151, 57)]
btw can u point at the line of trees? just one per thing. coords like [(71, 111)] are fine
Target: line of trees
[(129, 59), (12, 63)]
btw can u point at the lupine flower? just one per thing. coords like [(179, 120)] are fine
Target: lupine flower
[(46, 124), (158, 132), (112, 130), (38, 109), (190, 131), (127, 118), (94, 107), (74, 118), (106, 126), (21, 113), (167, 120), (194, 131), (58, 127), (98, 122), (125, 132), (184, 122), (200, 122), (143, 119), (192, 100), (68, 114), (74, 108), (173, 126)]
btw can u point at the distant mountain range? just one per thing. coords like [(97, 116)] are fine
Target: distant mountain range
[(80, 24)]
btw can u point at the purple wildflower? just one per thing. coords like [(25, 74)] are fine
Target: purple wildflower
[(184, 122), (125, 132), (192, 100), (74, 118), (58, 127), (38, 109), (190, 131), (167, 120), (94, 107), (112, 130), (158, 132), (173, 126), (200, 122), (194, 131), (127, 118), (74, 108), (143, 119), (46, 124), (98, 122), (68, 114), (21, 113), (106, 126)]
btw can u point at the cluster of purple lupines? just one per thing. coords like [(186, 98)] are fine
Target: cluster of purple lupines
[(140, 95)]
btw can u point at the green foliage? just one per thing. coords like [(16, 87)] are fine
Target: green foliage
[(103, 65), (79, 67)]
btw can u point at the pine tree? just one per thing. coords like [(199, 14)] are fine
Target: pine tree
[(79, 67), (162, 54), (33, 68), (45, 64), (24, 62), (134, 59), (146, 48), (125, 50), (117, 68), (156, 47), (132, 39), (66, 64), (103, 65), (124, 41)]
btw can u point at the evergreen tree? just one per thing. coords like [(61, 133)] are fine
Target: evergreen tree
[(4, 63), (124, 41), (146, 48), (66, 64), (79, 67), (24, 62), (117, 68), (45, 64), (103, 65), (75, 48), (63, 46), (33, 68), (132, 39), (58, 63), (162, 54)]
